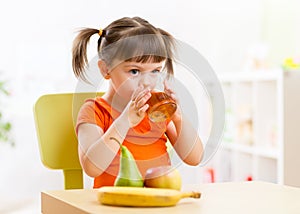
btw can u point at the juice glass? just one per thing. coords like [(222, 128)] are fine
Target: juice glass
[(161, 106)]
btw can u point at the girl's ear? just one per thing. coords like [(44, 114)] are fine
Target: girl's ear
[(103, 69)]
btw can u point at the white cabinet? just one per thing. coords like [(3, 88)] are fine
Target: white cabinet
[(262, 133)]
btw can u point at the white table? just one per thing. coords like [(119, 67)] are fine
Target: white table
[(216, 198)]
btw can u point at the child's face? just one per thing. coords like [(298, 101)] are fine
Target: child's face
[(128, 76)]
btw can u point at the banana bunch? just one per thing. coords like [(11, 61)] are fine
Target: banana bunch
[(141, 196)]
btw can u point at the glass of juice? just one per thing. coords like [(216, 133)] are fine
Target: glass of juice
[(161, 106)]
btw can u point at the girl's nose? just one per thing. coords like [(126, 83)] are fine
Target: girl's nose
[(146, 81)]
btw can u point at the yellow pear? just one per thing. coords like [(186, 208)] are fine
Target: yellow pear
[(163, 177)]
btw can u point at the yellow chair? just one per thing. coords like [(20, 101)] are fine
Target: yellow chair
[(55, 118)]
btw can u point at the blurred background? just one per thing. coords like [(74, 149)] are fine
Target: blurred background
[(35, 59)]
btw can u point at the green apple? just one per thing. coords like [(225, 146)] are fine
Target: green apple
[(163, 177)]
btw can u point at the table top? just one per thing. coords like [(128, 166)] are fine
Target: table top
[(232, 197)]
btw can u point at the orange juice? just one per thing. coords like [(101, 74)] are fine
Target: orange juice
[(161, 106)]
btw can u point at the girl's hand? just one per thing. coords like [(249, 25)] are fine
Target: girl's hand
[(172, 94), (137, 107)]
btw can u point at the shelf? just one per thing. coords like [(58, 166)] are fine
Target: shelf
[(254, 150), (260, 134), (250, 76)]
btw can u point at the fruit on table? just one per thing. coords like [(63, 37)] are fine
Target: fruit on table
[(129, 174), (163, 177), (142, 196)]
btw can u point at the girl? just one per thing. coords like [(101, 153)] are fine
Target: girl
[(132, 53)]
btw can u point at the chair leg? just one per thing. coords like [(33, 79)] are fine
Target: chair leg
[(73, 178)]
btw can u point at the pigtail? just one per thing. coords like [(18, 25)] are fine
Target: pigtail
[(79, 51), (139, 50)]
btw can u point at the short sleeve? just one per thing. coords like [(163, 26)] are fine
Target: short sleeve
[(92, 112)]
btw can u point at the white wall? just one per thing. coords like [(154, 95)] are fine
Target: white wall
[(35, 56), (281, 31)]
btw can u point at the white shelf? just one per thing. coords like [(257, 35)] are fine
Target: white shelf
[(250, 76), (253, 150), (261, 136)]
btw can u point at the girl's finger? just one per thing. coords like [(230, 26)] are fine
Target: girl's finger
[(136, 93), (167, 89), (141, 94), (166, 86), (143, 109), (170, 91), (142, 98)]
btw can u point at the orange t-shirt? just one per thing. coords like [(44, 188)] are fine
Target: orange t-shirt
[(146, 141)]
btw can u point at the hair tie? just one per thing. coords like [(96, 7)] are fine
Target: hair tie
[(100, 32)]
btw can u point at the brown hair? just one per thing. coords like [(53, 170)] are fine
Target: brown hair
[(126, 39)]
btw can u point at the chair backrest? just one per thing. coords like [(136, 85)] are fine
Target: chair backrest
[(55, 118)]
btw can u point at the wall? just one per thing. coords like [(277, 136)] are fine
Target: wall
[(281, 32)]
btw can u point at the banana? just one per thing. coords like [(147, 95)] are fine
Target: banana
[(141, 196)]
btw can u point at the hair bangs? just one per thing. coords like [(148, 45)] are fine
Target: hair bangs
[(141, 48), (147, 59)]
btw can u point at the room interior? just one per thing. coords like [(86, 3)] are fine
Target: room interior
[(252, 46)]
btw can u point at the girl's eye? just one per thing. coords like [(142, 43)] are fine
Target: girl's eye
[(134, 72), (155, 71)]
